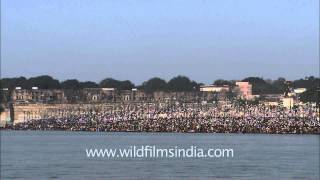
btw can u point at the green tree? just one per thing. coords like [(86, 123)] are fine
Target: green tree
[(260, 86), (222, 82), (310, 95), (88, 84), (109, 83), (126, 85), (120, 85), (70, 84), (154, 84), (181, 83), (312, 85), (309, 83), (11, 83), (43, 82), (281, 86)]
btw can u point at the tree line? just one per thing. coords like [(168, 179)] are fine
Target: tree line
[(179, 83)]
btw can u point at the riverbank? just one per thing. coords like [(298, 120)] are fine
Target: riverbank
[(316, 132)]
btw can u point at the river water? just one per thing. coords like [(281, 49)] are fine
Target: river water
[(62, 155)]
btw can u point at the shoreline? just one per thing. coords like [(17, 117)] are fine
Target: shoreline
[(162, 132)]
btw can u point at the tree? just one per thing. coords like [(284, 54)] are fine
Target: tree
[(195, 85), (43, 82), (154, 84), (281, 85), (88, 84), (312, 85), (254, 80), (70, 84), (125, 85), (310, 95), (109, 83), (11, 83), (181, 83), (309, 83), (120, 85), (260, 86), (221, 82)]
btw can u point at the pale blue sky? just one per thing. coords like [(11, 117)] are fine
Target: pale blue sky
[(136, 40)]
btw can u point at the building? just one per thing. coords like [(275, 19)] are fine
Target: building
[(213, 88), (103, 95), (295, 93), (272, 97), (92, 95), (288, 102), (299, 90), (21, 96), (244, 90)]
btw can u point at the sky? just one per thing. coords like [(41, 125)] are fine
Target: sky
[(139, 39)]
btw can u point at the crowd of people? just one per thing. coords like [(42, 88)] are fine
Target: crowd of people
[(180, 117)]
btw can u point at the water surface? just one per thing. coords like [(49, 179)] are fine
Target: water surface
[(61, 155)]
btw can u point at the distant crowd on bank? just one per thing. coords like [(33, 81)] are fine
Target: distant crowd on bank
[(180, 117)]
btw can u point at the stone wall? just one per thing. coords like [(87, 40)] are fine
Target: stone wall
[(36, 111)]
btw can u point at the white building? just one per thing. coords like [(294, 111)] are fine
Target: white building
[(288, 102), (213, 88), (299, 90)]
